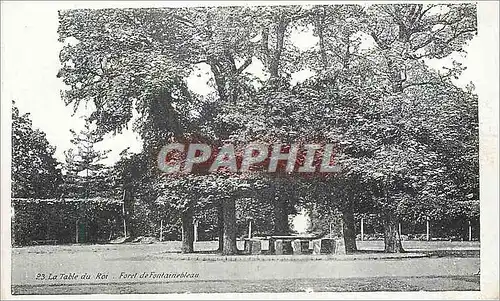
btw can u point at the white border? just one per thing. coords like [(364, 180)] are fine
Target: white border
[(487, 89)]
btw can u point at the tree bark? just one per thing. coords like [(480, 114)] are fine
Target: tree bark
[(128, 207), (264, 45), (229, 215), (187, 231), (349, 231), (280, 217), (321, 26), (220, 226), (281, 226), (392, 239), (220, 79), (396, 77), (280, 36)]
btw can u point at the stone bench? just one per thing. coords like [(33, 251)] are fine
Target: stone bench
[(253, 247), (286, 245), (280, 246), (300, 246), (328, 246)]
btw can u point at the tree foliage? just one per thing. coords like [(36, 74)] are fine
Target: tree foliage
[(85, 173), (406, 137), (35, 171)]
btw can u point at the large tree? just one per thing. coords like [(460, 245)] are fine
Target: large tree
[(404, 35), (139, 60), (363, 100), (130, 67), (35, 171), (380, 101)]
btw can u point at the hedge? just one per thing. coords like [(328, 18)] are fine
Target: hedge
[(38, 220)]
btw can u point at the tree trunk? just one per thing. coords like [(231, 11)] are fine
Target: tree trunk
[(392, 239), (349, 231), (220, 226), (280, 36), (187, 231), (322, 49), (229, 216), (264, 45), (280, 217), (396, 77), (128, 211), (220, 80)]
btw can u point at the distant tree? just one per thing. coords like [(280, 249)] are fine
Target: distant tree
[(35, 171), (85, 174)]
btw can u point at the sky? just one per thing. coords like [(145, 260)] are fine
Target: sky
[(30, 64)]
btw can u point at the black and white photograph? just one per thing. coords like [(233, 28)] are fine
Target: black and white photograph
[(249, 149)]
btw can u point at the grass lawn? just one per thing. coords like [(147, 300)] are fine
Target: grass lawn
[(451, 267)]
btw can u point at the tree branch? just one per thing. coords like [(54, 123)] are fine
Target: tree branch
[(247, 63), (420, 84), (379, 43), (184, 21)]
